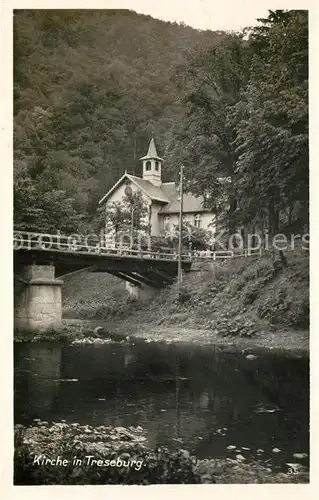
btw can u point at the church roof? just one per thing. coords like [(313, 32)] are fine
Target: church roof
[(191, 204), (167, 194), (170, 190), (152, 152), (153, 192)]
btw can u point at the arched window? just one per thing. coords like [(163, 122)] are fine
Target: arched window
[(156, 166), (148, 165), (198, 220)]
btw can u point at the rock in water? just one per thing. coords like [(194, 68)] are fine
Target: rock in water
[(300, 455), (295, 468), (251, 356)]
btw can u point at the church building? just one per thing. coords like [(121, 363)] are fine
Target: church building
[(162, 198)]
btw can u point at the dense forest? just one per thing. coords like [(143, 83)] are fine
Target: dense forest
[(91, 86)]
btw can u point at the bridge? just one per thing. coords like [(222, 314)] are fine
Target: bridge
[(42, 260)]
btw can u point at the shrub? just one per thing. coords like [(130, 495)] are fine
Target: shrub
[(298, 316), (251, 293), (183, 295), (159, 466), (273, 307)]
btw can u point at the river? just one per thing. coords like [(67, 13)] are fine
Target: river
[(203, 399)]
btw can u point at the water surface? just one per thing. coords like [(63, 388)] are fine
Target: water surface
[(201, 398)]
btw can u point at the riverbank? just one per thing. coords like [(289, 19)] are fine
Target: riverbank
[(116, 455), (289, 341), (238, 304), (241, 303)]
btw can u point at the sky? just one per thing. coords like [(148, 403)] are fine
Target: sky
[(201, 14), (212, 14), (204, 14)]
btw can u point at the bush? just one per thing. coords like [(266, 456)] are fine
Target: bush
[(298, 316), (184, 295), (251, 293), (274, 306), (237, 326), (159, 466)]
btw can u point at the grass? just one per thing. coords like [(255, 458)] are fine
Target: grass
[(93, 296), (240, 297)]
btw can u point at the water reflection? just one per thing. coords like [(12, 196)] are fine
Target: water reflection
[(202, 397), (37, 378)]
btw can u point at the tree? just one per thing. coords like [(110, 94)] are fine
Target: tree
[(204, 141), (130, 215), (271, 123), (244, 134), (193, 238), (47, 212), (232, 107), (83, 114)]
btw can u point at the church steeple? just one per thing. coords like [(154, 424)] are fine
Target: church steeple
[(152, 165)]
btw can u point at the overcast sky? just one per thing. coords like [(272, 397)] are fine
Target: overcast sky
[(204, 14), (207, 14), (201, 14)]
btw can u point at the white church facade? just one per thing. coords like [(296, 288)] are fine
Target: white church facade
[(161, 198)]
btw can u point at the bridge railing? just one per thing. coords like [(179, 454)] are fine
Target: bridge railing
[(71, 244), (23, 240)]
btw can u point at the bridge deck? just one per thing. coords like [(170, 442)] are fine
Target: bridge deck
[(55, 244)]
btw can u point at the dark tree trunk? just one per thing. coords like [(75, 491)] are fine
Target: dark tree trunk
[(273, 219), (231, 222)]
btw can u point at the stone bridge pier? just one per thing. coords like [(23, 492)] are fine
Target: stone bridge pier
[(38, 299)]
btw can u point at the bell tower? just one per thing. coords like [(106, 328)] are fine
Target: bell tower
[(152, 165)]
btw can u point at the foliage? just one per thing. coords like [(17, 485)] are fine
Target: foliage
[(44, 211), (159, 466), (162, 244), (102, 443), (87, 98), (232, 107), (204, 140), (232, 471), (239, 297), (244, 133), (102, 296), (129, 214), (296, 312), (193, 238)]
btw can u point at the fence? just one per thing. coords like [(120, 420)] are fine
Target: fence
[(23, 240)]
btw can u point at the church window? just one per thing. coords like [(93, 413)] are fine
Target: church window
[(156, 165), (167, 222), (197, 220), (148, 165)]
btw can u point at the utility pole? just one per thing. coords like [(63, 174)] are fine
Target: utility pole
[(180, 235), (132, 226), (134, 153)]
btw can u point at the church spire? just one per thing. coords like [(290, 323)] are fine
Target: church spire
[(152, 164), (152, 151)]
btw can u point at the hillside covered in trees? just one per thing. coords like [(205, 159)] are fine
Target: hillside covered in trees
[(91, 86)]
